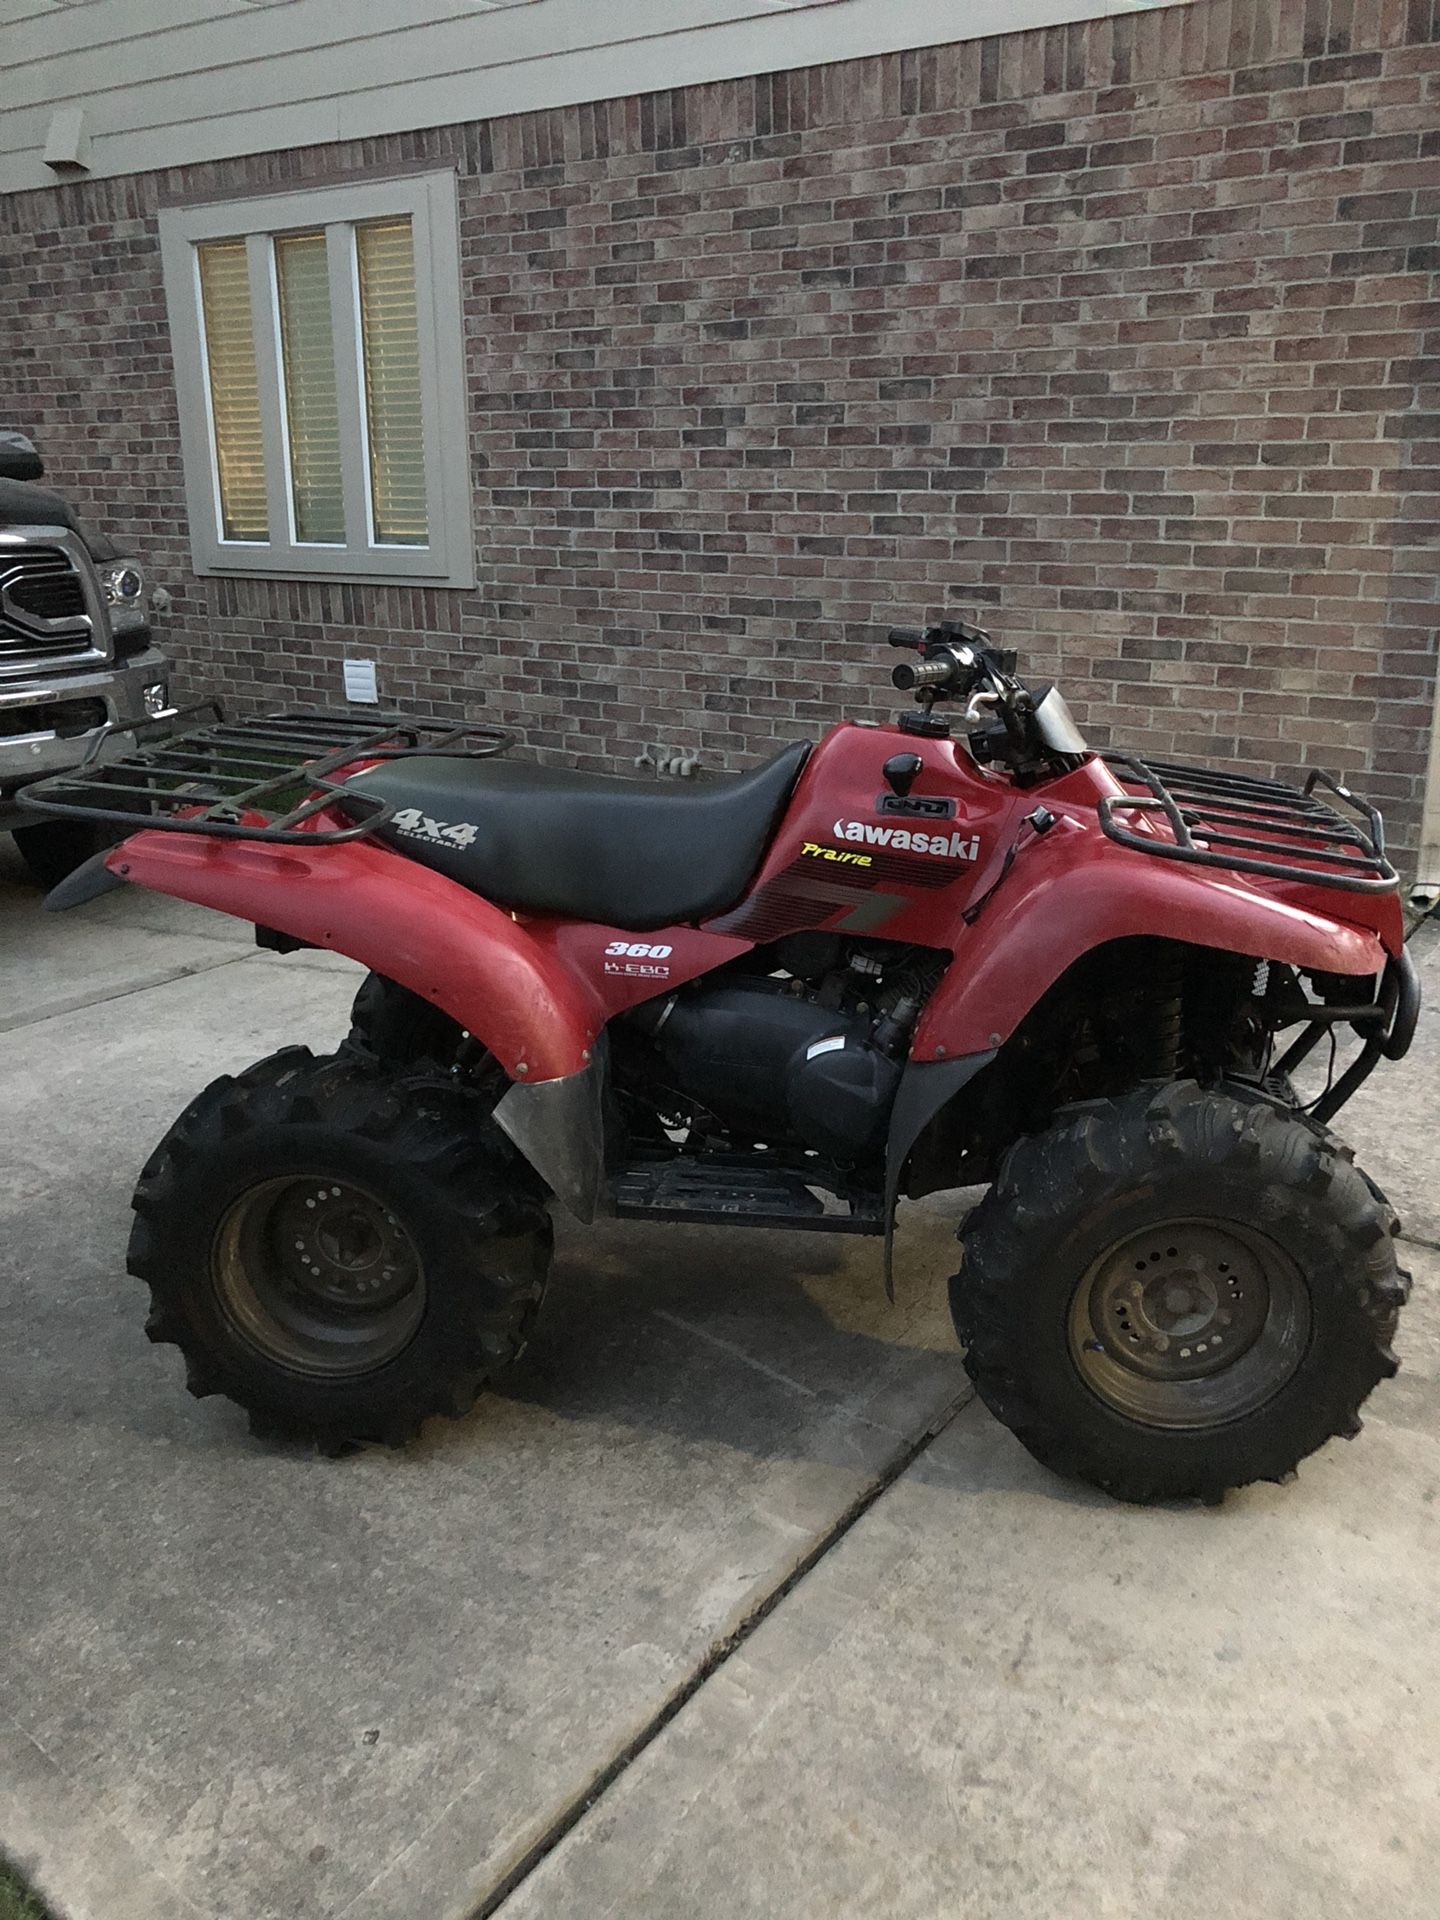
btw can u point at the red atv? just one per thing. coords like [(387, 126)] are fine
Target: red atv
[(895, 962)]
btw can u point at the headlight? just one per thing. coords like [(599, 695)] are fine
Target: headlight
[(123, 585)]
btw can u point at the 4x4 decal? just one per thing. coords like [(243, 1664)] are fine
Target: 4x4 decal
[(442, 833)]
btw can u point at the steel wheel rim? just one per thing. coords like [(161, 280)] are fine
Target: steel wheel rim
[(319, 1275), (1190, 1323)]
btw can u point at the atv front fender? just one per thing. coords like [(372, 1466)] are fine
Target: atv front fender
[(1070, 892), (398, 918)]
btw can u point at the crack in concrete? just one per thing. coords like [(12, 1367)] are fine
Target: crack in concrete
[(736, 1352), (581, 1803), (77, 1003)]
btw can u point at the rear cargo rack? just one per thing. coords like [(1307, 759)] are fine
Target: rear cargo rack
[(264, 779), (1247, 824)]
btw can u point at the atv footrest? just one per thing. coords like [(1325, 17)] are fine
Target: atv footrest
[(731, 1194)]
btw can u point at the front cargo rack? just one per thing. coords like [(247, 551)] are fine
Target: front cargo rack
[(1248, 825), (262, 779)]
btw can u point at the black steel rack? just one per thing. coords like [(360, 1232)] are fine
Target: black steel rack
[(262, 779), (1248, 825)]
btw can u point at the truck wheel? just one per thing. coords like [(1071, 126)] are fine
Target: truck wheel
[(1178, 1292), (52, 849), (341, 1253)]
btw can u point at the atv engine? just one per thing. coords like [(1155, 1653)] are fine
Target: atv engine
[(810, 1053)]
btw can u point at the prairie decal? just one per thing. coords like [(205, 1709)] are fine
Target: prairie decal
[(842, 856)]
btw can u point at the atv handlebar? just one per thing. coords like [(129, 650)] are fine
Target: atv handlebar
[(957, 659), (939, 672), (960, 663)]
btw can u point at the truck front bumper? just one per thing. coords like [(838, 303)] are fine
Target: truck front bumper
[(48, 728)]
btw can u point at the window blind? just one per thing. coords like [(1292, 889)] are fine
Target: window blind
[(234, 396), (307, 360), (389, 333)]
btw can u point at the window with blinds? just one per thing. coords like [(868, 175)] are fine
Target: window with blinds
[(234, 390), (312, 414), (389, 337), (316, 348)]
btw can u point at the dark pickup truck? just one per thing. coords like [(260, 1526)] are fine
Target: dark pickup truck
[(76, 653)]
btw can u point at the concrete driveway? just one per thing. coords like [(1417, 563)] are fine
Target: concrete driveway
[(732, 1604)]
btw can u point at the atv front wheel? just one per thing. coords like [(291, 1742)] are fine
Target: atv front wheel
[(1178, 1292), (341, 1253)]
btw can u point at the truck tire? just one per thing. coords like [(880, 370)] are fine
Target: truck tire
[(341, 1252), (52, 849), (1178, 1292)]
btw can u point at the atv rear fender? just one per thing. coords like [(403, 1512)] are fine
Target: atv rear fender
[(398, 918), (1070, 891)]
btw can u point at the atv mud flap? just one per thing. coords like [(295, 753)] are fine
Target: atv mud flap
[(559, 1127), (925, 1087)]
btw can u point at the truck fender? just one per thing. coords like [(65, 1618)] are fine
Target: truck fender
[(1065, 896), (444, 943)]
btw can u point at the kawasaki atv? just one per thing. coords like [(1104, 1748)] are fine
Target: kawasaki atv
[(909, 958)]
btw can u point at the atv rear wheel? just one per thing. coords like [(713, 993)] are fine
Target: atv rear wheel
[(339, 1252), (1178, 1292), (391, 1024)]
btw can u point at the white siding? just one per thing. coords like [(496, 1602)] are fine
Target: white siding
[(163, 82)]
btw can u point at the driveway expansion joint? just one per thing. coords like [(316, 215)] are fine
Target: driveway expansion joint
[(142, 983), (580, 1805)]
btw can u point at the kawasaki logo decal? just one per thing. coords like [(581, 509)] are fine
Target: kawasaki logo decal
[(951, 846)]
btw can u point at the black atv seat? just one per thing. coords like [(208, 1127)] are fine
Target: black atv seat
[(586, 846)]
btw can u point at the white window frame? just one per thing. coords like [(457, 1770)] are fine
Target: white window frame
[(430, 201)]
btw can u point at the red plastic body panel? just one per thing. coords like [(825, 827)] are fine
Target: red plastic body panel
[(844, 859), (849, 856), (1073, 889), (535, 992), (619, 969)]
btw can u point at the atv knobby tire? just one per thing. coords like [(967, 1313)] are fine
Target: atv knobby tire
[(1178, 1292), (340, 1251), (391, 1024)]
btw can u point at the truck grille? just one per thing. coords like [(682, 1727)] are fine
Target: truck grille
[(45, 614), (43, 583)]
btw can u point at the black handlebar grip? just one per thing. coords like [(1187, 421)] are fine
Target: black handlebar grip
[(907, 637), (929, 673)]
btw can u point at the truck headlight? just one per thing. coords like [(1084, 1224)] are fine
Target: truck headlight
[(123, 585)]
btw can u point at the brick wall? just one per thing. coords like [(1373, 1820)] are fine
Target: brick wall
[(1114, 334)]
